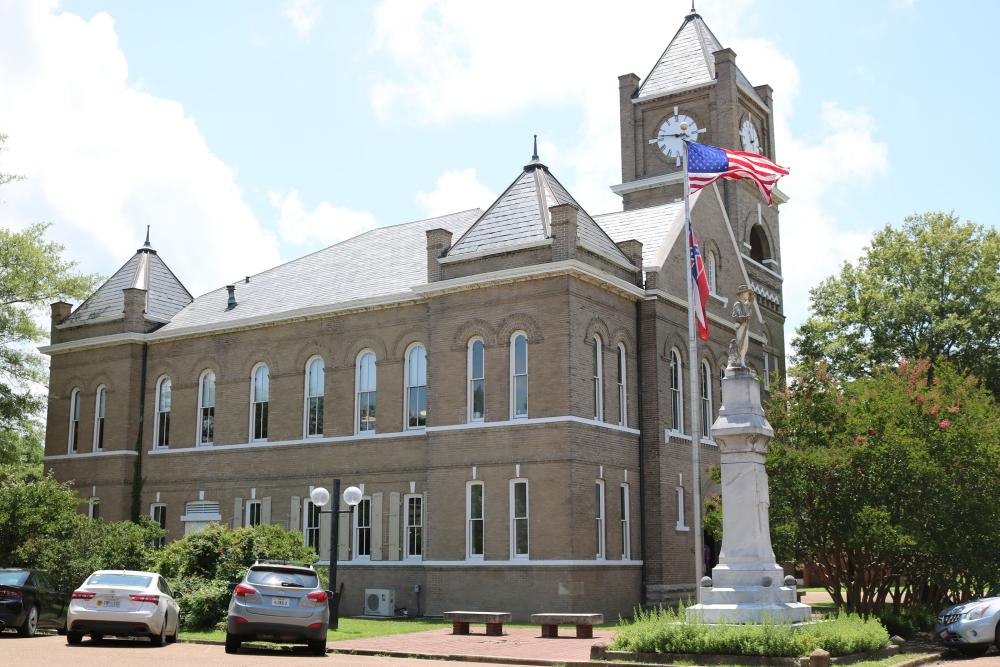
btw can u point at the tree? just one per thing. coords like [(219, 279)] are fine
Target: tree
[(889, 483), (929, 290), (32, 274)]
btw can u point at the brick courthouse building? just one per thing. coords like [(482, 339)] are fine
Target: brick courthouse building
[(508, 387)]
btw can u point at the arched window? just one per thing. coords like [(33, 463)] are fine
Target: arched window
[(711, 267), (162, 424), (518, 375), (365, 381), (706, 400), (477, 380), (598, 378), (416, 387), (314, 397), (206, 408), (100, 409), (260, 392), (622, 386), (676, 398), (74, 421), (760, 249)]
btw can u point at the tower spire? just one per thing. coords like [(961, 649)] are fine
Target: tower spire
[(534, 154), (146, 244)]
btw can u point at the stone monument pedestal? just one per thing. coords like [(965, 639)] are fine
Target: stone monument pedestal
[(747, 586)]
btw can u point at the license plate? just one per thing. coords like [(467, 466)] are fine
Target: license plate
[(109, 603), (943, 634), (279, 602)]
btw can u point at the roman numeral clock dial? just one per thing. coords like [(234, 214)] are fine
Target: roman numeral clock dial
[(673, 132)]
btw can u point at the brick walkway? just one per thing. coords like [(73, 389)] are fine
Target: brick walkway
[(517, 643)]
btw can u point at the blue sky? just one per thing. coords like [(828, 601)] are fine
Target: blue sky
[(248, 133)]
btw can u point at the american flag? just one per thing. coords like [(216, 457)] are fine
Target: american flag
[(699, 284), (707, 164)]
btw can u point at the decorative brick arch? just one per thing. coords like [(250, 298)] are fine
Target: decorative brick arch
[(622, 335), (206, 362), (307, 351), (416, 335), (598, 327), (273, 368), (675, 341), (368, 342), (471, 329), (518, 322)]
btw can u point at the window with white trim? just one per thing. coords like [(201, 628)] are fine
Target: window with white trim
[(94, 509), (158, 513), (162, 423), (598, 378), (767, 370), (363, 529), (310, 524), (415, 392), (519, 375), (413, 543), (622, 386), (676, 397), (251, 513), (366, 397), (706, 401), (722, 376), (680, 525), (315, 376), (206, 408), (477, 380), (475, 531), (74, 421), (100, 410), (260, 393), (599, 518), (711, 269), (626, 523), (518, 518)]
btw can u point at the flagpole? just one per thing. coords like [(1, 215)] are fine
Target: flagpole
[(693, 390)]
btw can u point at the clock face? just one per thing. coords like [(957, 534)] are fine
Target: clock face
[(748, 133), (673, 132)]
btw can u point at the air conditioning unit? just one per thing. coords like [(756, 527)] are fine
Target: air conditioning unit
[(380, 602)]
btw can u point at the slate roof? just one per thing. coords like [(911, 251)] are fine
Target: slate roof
[(657, 227), (165, 295), (688, 62), (521, 215), (382, 261)]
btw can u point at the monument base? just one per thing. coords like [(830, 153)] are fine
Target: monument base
[(749, 593)]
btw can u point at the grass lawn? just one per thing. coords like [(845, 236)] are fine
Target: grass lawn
[(350, 628), (884, 662)]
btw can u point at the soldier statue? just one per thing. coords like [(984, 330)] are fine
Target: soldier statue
[(741, 315)]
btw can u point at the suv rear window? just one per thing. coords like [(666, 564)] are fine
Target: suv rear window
[(277, 576), (13, 577), (118, 580)]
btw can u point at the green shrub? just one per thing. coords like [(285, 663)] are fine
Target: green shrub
[(668, 631), (203, 604), (907, 621)]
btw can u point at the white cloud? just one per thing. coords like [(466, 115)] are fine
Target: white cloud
[(326, 224), (456, 191), (303, 14)]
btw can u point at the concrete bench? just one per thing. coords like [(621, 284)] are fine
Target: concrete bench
[(584, 623), (494, 621)]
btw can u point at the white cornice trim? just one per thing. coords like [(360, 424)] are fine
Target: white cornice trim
[(515, 563), (672, 178), (96, 341), (89, 455), (778, 196), (464, 257), (676, 300), (535, 420), (673, 91), (758, 265)]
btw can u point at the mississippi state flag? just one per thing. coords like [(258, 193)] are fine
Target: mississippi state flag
[(707, 164), (699, 283)]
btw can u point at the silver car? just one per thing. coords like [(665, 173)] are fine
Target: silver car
[(970, 627), (279, 601)]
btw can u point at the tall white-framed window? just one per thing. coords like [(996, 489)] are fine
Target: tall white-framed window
[(74, 421), (477, 380), (310, 525), (251, 513), (626, 522), (100, 410), (413, 543), (94, 508), (365, 382), (315, 378), (676, 397), (475, 520), (722, 376), (158, 513), (705, 386), (680, 525), (599, 519), (519, 375), (767, 370), (260, 395), (622, 386), (711, 269), (363, 529), (415, 391), (161, 425), (519, 518), (206, 408), (598, 378)]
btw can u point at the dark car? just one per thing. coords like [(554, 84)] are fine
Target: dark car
[(29, 601)]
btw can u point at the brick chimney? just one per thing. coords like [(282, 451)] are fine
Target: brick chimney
[(135, 309), (60, 311), (563, 231), (438, 243), (725, 127), (633, 250)]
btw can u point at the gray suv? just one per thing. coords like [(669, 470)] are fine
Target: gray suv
[(278, 601)]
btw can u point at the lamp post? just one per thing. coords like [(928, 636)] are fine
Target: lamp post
[(321, 497)]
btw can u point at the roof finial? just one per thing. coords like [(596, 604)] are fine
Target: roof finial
[(693, 12), (534, 155), (146, 244)]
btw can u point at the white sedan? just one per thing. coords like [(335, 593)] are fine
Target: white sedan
[(123, 603)]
